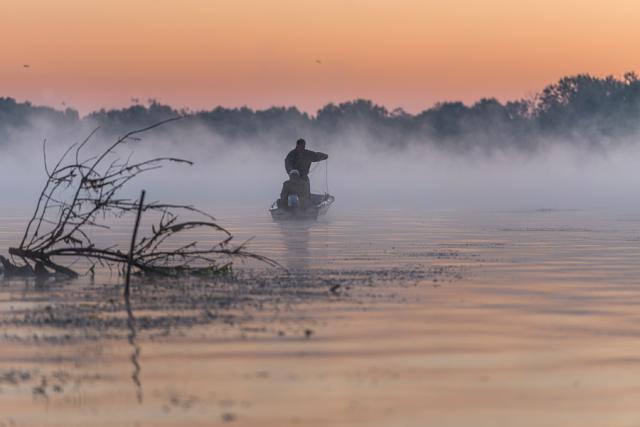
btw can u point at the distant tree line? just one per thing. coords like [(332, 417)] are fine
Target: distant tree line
[(578, 109)]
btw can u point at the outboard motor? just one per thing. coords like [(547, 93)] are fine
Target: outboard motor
[(293, 201)]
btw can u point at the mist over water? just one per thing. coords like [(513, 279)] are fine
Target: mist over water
[(361, 172), (572, 145), (476, 279)]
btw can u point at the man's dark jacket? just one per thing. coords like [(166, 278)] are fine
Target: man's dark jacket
[(301, 160)]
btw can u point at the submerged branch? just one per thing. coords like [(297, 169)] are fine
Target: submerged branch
[(81, 194)]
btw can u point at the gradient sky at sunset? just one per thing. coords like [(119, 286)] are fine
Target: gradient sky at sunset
[(400, 53)]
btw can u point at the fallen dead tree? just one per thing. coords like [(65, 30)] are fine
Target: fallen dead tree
[(82, 193)]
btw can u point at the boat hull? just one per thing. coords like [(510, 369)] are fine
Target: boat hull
[(320, 206)]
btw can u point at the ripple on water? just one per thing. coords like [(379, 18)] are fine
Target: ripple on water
[(447, 318)]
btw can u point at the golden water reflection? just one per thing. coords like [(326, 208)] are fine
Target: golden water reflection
[(540, 329)]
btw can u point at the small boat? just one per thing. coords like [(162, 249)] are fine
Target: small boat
[(320, 204)]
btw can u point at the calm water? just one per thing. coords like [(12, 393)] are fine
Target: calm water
[(385, 318)]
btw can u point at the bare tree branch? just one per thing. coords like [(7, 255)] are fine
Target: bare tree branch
[(81, 194)]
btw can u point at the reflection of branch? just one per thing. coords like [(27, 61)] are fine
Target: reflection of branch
[(135, 353), (133, 244), (82, 192)]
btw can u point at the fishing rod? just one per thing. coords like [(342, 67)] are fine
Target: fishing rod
[(326, 173)]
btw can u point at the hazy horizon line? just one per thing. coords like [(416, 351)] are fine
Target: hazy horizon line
[(135, 102), (194, 110)]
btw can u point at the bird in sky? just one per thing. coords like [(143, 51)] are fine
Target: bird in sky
[(26, 66), (318, 61)]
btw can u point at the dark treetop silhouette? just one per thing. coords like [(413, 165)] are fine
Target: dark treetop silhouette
[(576, 109)]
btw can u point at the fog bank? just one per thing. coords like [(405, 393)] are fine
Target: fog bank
[(359, 172)]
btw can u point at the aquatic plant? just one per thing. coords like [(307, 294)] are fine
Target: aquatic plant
[(82, 192)]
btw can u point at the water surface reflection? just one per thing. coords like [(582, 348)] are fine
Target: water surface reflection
[(295, 238), (447, 318)]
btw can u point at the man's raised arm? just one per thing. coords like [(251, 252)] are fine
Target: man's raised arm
[(317, 156)]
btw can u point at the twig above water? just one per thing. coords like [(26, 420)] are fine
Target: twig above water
[(82, 193)]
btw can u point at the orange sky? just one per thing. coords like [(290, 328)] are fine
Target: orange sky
[(400, 53)]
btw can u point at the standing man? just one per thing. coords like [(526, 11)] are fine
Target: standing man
[(300, 159)]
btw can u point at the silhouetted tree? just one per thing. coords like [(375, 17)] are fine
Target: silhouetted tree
[(574, 109)]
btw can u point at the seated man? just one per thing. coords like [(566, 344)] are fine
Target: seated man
[(295, 192)]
